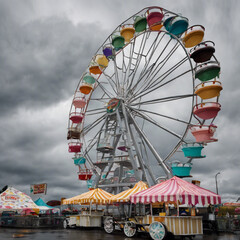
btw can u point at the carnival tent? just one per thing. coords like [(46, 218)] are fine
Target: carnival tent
[(72, 200), (125, 195), (176, 190), (95, 196), (14, 199)]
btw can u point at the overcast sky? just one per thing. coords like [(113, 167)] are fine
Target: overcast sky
[(45, 45)]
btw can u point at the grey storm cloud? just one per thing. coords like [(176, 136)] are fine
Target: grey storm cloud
[(41, 60), (45, 47)]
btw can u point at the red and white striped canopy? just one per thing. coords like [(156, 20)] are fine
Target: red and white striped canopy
[(176, 190)]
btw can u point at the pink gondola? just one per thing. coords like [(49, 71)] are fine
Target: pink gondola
[(76, 117), (74, 147), (79, 102), (204, 133), (154, 19), (207, 110)]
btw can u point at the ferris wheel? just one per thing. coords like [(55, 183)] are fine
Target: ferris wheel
[(148, 97)]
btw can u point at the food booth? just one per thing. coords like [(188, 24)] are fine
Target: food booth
[(89, 216), (173, 191)]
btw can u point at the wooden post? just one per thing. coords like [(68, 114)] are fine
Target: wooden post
[(177, 209)]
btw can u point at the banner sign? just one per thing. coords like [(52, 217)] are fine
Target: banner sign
[(38, 188)]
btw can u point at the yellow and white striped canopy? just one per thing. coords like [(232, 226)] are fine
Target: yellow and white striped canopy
[(72, 200), (125, 195), (95, 196)]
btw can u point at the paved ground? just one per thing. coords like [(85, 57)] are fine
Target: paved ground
[(76, 234)]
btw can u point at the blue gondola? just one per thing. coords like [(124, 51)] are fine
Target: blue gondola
[(192, 150)]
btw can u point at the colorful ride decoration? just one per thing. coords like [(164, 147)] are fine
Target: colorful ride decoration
[(202, 52), (113, 105), (84, 173), (192, 150), (108, 51), (74, 147), (86, 88), (154, 19), (176, 25), (210, 89), (79, 102), (94, 68), (73, 132), (127, 32), (101, 60), (207, 71), (181, 169), (140, 23), (207, 110), (204, 133), (89, 79), (193, 36), (118, 41), (76, 117)]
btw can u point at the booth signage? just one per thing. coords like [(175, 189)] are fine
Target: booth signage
[(38, 188)]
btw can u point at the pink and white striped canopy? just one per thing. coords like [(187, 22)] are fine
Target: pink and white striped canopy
[(176, 190)]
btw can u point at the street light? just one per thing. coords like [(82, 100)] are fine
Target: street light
[(216, 182)]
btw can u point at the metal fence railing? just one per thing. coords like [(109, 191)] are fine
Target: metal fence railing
[(228, 224), (32, 221)]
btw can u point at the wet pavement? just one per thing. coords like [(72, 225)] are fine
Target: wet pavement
[(93, 234)]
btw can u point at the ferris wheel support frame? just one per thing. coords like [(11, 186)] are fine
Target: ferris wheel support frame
[(150, 146)]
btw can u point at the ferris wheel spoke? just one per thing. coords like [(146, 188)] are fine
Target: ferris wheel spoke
[(161, 115), (129, 59), (151, 78), (145, 92), (101, 99), (146, 56), (94, 110), (109, 94), (146, 69), (146, 162), (89, 127), (111, 82), (152, 69), (149, 119), (172, 152), (95, 113), (137, 57), (150, 53), (166, 74), (163, 100), (150, 146)]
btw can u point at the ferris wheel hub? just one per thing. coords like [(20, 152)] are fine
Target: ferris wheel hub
[(113, 105)]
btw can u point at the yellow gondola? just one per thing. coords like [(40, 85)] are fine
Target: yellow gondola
[(127, 32), (193, 36), (209, 89), (101, 60)]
